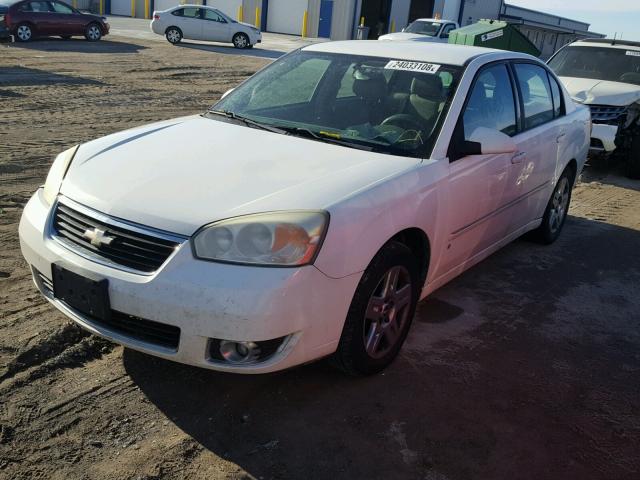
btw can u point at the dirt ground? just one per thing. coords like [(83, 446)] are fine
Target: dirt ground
[(525, 367)]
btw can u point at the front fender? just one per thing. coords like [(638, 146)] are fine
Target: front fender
[(362, 223)]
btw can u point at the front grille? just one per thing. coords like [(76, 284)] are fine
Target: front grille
[(128, 325), (607, 114), (129, 248)]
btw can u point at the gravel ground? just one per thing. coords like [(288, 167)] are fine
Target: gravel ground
[(527, 366)]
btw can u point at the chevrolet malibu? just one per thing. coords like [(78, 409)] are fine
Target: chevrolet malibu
[(307, 212)]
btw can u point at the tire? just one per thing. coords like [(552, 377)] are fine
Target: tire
[(241, 40), (93, 33), (633, 161), (379, 317), (173, 35), (557, 209), (24, 32)]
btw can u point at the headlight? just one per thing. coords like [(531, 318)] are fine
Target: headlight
[(277, 239), (56, 174)]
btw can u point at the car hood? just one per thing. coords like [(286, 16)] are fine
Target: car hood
[(408, 36), (601, 92), (181, 174)]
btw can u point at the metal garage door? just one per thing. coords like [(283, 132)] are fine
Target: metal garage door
[(285, 16), (121, 7), (229, 7), (160, 5)]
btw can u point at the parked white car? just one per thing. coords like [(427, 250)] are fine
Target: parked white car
[(424, 30), (604, 74), (197, 22), (306, 213)]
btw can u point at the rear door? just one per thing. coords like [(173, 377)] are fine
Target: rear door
[(41, 16), (214, 26), (479, 185), (533, 169)]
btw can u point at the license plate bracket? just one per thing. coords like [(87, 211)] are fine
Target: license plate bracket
[(87, 295)]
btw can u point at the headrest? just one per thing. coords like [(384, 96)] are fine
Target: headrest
[(428, 86), (372, 87)]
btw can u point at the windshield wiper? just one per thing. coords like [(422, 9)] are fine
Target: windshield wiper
[(247, 121), (325, 137)]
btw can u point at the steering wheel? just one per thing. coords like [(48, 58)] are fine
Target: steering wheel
[(403, 120)]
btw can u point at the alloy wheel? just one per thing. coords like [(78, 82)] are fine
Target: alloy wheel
[(559, 205), (24, 33), (387, 311), (93, 33), (240, 41)]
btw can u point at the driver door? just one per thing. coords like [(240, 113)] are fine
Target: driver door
[(480, 189), (214, 27)]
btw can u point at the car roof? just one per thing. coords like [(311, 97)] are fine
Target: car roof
[(606, 42), (441, 53), (434, 20)]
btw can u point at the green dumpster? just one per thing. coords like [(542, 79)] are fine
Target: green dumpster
[(494, 34)]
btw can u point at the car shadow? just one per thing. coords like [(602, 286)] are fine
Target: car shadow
[(230, 50), (78, 45), (496, 366), (23, 76)]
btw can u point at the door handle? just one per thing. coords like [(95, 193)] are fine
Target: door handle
[(518, 157), (560, 137)]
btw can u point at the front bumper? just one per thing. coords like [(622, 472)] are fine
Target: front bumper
[(206, 300), (603, 138)]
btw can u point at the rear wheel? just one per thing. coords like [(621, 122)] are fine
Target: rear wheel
[(380, 313), (241, 40), (633, 168), (174, 35), (93, 33), (557, 209), (24, 32)]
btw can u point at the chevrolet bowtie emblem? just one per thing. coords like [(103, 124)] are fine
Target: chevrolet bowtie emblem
[(97, 237)]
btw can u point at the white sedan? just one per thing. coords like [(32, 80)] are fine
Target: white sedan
[(197, 22), (309, 210)]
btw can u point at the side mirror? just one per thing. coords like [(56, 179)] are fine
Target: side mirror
[(487, 141), (226, 93)]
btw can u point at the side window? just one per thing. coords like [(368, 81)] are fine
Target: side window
[(39, 7), (306, 77), (61, 8), (536, 94), (491, 103), (558, 110), (213, 16), (191, 12), (447, 29)]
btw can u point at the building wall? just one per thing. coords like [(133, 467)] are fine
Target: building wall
[(399, 17), (474, 10), (342, 20)]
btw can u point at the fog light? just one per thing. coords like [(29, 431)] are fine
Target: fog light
[(239, 352), (243, 353)]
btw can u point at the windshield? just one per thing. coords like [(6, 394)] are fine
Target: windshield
[(379, 104), (423, 28), (598, 63)]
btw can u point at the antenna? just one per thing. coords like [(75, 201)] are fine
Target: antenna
[(614, 38)]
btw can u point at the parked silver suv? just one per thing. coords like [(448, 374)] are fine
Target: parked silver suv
[(605, 75)]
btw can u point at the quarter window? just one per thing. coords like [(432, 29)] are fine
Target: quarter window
[(491, 103), (557, 97), (36, 7), (536, 94)]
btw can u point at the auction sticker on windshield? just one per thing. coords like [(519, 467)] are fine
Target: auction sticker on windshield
[(633, 53), (412, 66)]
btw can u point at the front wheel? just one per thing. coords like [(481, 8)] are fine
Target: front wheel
[(174, 35), (24, 32), (241, 40), (556, 211), (380, 313), (93, 33)]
